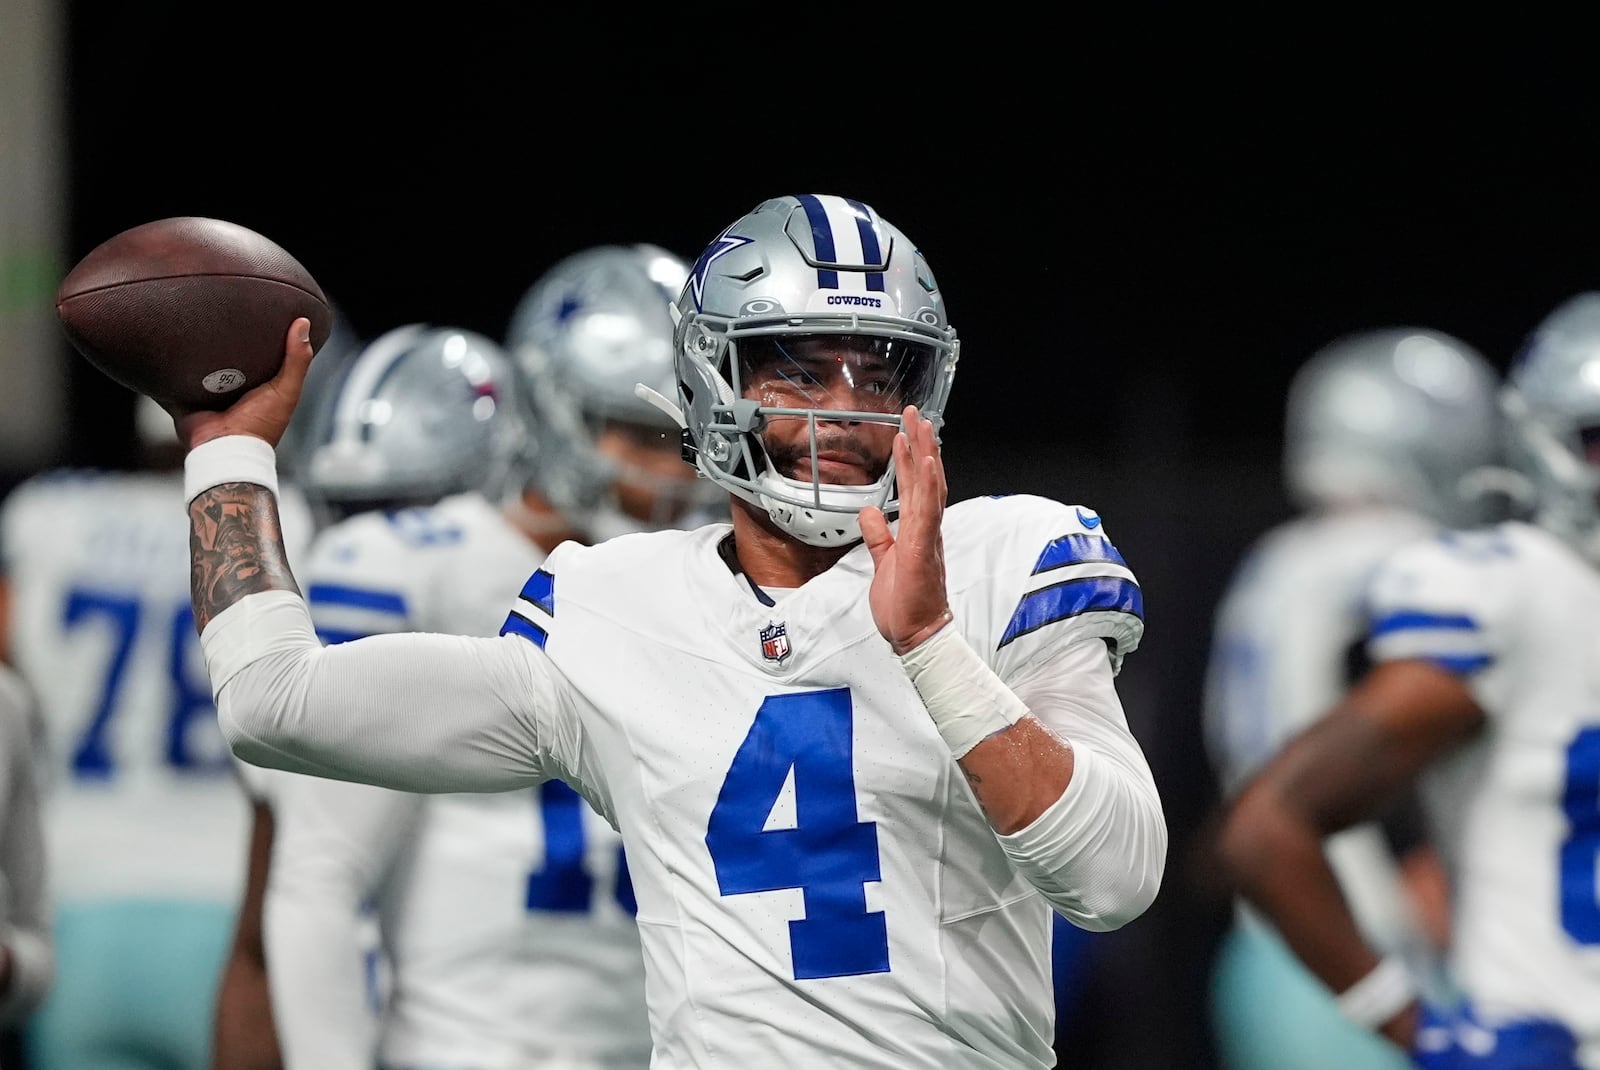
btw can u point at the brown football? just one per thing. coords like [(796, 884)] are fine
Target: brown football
[(189, 310)]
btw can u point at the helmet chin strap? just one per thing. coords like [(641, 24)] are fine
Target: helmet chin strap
[(659, 400)]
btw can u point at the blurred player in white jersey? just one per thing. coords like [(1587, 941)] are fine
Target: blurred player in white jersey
[(506, 919), (145, 827), (1486, 692), (1384, 430), (27, 961), (856, 762)]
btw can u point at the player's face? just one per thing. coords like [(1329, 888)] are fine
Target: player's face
[(654, 485), (843, 373)]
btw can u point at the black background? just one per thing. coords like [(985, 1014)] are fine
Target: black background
[(1141, 231)]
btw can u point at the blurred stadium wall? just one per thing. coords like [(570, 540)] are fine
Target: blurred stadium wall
[(33, 206)]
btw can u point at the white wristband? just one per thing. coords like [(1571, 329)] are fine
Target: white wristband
[(967, 701), (1383, 993), (229, 459)]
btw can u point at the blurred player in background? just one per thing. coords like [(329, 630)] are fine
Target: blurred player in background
[(145, 826), (27, 960), (1485, 692), (1383, 430), (847, 830), (605, 461), (244, 1035), (506, 919)]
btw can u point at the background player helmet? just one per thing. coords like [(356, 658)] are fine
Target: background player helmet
[(805, 266), (1403, 415), (420, 413), (590, 328), (1552, 406)]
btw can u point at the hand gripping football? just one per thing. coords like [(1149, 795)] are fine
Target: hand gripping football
[(189, 311)]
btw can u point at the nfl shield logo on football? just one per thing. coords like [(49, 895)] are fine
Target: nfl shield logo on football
[(775, 642)]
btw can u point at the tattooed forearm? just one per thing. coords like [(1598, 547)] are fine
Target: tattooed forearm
[(235, 548)]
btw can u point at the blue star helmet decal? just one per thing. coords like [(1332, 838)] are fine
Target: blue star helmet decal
[(725, 243)]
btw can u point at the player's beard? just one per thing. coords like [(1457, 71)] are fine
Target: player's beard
[(786, 458)]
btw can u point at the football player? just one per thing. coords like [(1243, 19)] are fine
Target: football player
[(145, 827), (1485, 693), (1384, 431), (856, 761), (604, 461)]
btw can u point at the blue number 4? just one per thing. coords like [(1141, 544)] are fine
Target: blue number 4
[(828, 854), (1580, 898)]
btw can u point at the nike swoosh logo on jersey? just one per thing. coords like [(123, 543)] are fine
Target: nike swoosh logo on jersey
[(1088, 520)]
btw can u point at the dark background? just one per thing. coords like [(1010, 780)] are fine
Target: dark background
[(1141, 231)]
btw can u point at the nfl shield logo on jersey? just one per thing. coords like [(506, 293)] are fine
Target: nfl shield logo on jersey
[(775, 642)]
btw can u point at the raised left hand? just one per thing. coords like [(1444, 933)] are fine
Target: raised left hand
[(908, 596)]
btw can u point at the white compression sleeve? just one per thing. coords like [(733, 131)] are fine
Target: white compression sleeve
[(1099, 852), (416, 712)]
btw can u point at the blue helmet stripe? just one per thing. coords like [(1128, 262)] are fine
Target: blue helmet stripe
[(517, 624), (1076, 549), (822, 239), (330, 594), (872, 252), (1092, 594), (541, 591)]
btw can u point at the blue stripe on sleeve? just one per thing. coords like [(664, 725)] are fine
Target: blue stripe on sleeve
[(329, 594), (1075, 550), (1092, 594), (1460, 664), (1402, 620), (335, 636), (517, 624), (541, 591)]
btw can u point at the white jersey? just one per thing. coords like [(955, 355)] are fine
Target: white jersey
[(506, 919), (1281, 656), (140, 799), (817, 884), (1516, 613)]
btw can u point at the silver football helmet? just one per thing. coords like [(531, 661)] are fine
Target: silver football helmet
[(1404, 415), (1552, 406), (762, 300), (421, 412), (583, 335)]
